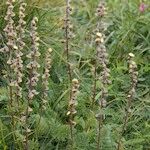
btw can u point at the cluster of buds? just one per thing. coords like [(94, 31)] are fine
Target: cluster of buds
[(14, 44), (46, 76), (33, 64), (20, 28), (67, 24), (102, 57), (133, 74), (101, 27), (17, 65), (9, 29), (101, 10), (101, 53), (100, 14), (73, 101), (11, 47)]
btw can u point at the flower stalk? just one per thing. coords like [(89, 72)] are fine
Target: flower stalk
[(19, 52), (100, 14), (33, 79), (104, 77), (132, 67), (72, 107), (101, 59), (68, 27), (10, 46), (9, 49), (45, 77)]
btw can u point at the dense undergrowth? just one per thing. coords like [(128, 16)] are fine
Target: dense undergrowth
[(127, 32)]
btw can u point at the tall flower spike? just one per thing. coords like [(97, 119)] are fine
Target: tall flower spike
[(101, 13), (33, 74), (11, 46), (102, 59), (21, 26), (72, 106), (134, 78), (33, 64), (11, 37), (101, 27), (101, 54), (18, 63), (46, 76), (9, 29), (68, 35), (101, 10), (73, 101), (67, 24)]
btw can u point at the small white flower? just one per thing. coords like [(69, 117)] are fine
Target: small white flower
[(131, 55)]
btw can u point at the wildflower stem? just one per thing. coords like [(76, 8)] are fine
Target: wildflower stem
[(103, 60), (27, 115), (99, 133), (95, 81), (9, 48), (95, 70), (12, 113), (33, 72), (71, 130), (72, 108), (133, 75), (26, 127), (67, 39)]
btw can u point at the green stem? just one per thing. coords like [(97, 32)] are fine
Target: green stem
[(100, 121)]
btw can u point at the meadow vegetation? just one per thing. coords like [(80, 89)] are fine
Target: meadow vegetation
[(75, 75)]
